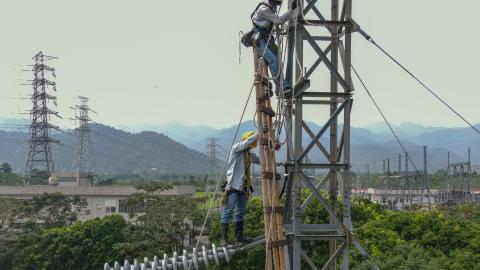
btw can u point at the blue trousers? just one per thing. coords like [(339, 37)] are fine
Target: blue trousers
[(235, 199), (272, 62)]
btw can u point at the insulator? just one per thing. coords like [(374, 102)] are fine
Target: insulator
[(196, 260)]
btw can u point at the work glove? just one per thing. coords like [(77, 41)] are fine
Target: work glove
[(294, 4)]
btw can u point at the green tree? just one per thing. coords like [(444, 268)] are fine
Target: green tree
[(6, 168), (11, 210), (10, 179), (159, 224), (55, 209), (84, 245), (10, 214)]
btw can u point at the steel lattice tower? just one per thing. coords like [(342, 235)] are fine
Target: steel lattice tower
[(40, 162), (83, 151), (213, 151), (330, 41)]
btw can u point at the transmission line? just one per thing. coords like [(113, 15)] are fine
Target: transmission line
[(392, 130), (370, 39)]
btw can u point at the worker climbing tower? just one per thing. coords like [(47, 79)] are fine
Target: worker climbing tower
[(285, 230)]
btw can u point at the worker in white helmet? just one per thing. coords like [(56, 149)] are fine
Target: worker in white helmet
[(263, 18), (238, 187)]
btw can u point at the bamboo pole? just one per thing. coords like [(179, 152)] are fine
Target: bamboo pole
[(266, 129), (276, 191), (258, 63)]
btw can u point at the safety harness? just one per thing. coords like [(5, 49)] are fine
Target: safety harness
[(247, 179), (265, 4), (248, 39)]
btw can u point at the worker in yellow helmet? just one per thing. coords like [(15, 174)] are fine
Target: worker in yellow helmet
[(238, 187)]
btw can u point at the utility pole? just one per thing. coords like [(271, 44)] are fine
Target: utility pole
[(406, 162), (425, 178), (406, 182), (388, 166), (40, 162), (358, 186), (399, 163), (367, 169), (469, 169), (83, 152), (448, 163)]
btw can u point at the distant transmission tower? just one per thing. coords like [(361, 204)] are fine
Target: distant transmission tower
[(213, 151), (83, 152), (40, 162)]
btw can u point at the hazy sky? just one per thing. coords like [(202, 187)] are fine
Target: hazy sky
[(158, 61)]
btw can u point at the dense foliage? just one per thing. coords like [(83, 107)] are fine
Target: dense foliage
[(440, 239), (159, 224), (10, 179), (84, 245), (445, 238), (51, 238)]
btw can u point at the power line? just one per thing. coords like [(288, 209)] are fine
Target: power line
[(391, 129), (370, 39), (383, 116)]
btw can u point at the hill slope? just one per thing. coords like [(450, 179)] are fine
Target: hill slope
[(367, 147), (115, 151)]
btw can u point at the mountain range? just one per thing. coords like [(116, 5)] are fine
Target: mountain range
[(369, 145), (115, 151), (174, 147)]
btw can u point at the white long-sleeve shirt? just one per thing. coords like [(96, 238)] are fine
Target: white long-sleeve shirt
[(236, 163), (264, 17)]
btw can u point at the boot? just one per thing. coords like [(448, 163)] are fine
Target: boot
[(223, 234), (239, 238)]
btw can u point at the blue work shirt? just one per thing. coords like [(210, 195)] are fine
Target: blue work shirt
[(236, 163)]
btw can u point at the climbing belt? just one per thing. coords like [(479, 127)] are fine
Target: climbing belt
[(272, 211)]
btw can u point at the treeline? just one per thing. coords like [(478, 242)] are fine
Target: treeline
[(198, 180), (446, 238), (53, 238), (46, 234)]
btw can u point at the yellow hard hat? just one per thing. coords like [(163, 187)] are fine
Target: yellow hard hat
[(247, 135)]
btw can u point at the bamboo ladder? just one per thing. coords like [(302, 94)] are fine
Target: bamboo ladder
[(272, 211)]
